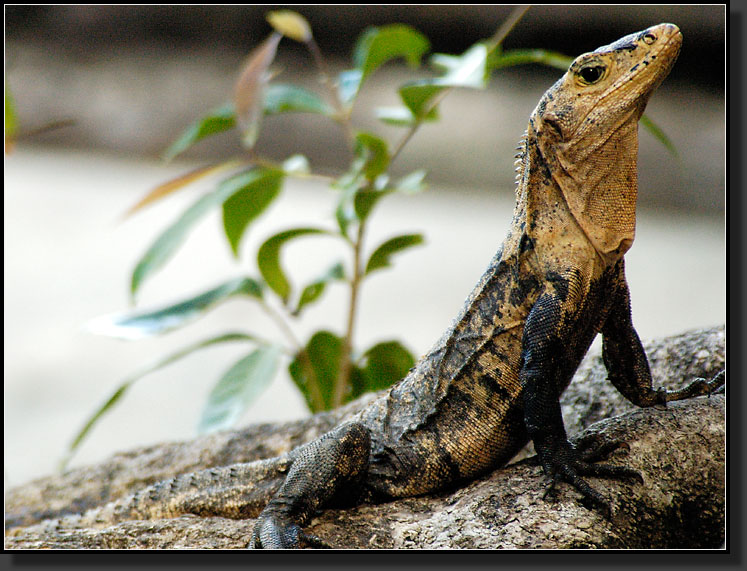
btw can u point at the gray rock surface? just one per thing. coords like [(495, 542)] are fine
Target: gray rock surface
[(679, 450)]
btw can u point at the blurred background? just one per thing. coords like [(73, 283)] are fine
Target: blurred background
[(131, 78)]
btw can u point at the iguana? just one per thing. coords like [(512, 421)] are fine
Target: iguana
[(493, 380)]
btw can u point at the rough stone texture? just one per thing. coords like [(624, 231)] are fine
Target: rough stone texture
[(678, 450), (673, 360), (83, 488)]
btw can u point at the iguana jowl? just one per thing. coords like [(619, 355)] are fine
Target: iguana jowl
[(494, 379)]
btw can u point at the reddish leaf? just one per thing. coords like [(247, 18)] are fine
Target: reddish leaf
[(170, 186), (249, 89)]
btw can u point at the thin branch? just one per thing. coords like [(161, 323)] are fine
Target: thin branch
[(494, 41), (42, 130), (346, 364), (415, 126), (301, 354), (506, 27), (321, 64), (284, 328)]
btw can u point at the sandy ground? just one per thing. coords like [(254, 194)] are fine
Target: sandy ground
[(68, 257)]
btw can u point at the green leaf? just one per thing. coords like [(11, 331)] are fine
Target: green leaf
[(348, 84), (383, 365), (283, 98), (418, 94), (345, 211), (369, 165), (316, 368), (399, 116), (376, 46), (268, 259), (216, 121), (381, 256), (402, 116), (499, 59), (315, 289), (411, 183), (278, 98), (137, 325), (656, 131), (375, 154), (97, 415), (467, 70), (238, 388), (120, 391), (256, 190), (365, 200), (170, 239)]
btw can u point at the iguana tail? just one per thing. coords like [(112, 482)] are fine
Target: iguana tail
[(238, 491)]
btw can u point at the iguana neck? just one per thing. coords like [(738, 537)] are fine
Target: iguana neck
[(578, 183), (584, 191)]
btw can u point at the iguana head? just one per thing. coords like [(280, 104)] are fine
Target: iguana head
[(609, 86), (586, 129)]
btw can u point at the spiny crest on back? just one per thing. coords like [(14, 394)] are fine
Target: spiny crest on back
[(520, 161), (521, 165)]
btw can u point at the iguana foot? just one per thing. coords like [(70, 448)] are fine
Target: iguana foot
[(271, 532), (699, 387), (720, 378), (330, 467), (569, 463)]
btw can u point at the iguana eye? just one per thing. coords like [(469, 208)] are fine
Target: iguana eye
[(591, 74)]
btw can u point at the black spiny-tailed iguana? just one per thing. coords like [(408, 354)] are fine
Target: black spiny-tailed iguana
[(493, 380)]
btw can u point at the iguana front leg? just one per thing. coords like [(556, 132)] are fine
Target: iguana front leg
[(626, 361), (543, 353), (542, 377), (325, 469)]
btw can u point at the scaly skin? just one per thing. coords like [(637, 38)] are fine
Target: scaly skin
[(494, 379)]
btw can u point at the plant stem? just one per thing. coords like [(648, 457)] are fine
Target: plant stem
[(301, 353), (282, 325), (313, 383), (52, 126), (506, 27), (415, 126), (321, 64), (346, 363), (346, 360), (494, 41)]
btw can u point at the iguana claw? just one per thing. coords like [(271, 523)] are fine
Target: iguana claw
[(271, 533), (700, 387), (569, 463)]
